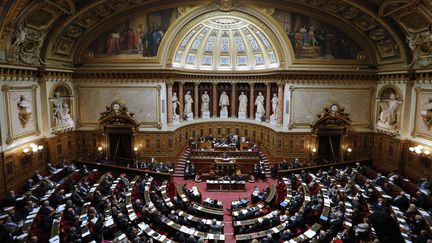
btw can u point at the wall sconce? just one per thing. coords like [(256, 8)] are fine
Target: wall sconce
[(136, 151), (349, 150), (420, 150), (100, 151), (32, 149)]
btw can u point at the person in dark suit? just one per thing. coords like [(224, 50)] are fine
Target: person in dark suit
[(268, 239), (76, 197), (11, 199), (28, 185), (50, 168), (37, 177), (401, 201), (385, 227), (46, 209)]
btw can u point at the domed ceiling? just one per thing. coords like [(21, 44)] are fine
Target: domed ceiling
[(54, 32), (225, 43)]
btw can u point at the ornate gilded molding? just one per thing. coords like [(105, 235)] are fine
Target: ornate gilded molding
[(157, 123), (11, 136), (293, 89), (415, 132), (332, 117)]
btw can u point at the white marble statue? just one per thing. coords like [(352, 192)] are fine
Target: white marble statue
[(67, 119), (224, 102), (175, 103), (205, 102), (58, 109), (259, 102), (275, 103), (188, 103), (243, 100), (388, 114), (62, 117)]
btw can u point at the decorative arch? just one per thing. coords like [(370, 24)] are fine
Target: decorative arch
[(61, 108), (389, 111), (63, 88), (172, 37), (388, 88)]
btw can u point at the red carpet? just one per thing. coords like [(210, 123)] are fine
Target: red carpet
[(226, 198)]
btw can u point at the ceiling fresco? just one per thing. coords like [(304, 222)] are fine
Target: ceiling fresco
[(52, 32)]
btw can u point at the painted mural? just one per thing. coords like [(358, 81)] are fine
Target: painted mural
[(137, 37), (313, 39)]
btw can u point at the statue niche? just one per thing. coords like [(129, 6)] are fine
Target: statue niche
[(61, 109), (389, 111)]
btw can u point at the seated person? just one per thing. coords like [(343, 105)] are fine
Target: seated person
[(37, 177)]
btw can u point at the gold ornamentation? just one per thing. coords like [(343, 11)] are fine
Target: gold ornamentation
[(333, 115), (11, 136), (226, 5), (426, 113), (377, 34), (421, 46), (386, 49)]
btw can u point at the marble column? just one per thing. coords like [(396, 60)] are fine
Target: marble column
[(214, 100), (233, 99), (169, 102), (268, 101), (252, 101), (196, 100), (181, 100), (280, 103)]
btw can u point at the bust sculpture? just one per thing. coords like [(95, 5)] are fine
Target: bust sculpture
[(25, 111)]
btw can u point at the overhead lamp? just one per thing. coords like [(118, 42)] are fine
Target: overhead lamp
[(349, 150)]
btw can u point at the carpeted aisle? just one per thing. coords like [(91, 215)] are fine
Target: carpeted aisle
[(226, 198)]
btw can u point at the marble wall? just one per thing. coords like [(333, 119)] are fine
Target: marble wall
[(144, 100), (308, 101)]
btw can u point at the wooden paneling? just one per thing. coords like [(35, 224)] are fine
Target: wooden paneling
[(413, 165), (165, 146), (387, 152), (62, 147), (17, 167)]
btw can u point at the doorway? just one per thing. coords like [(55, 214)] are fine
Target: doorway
[(329, 147), (120, 145)]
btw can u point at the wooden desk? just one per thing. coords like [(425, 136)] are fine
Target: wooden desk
[(225, 148), (271, 194), (206, 145), (245, 146), (218, 185), (264, 233), (257, 220)]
